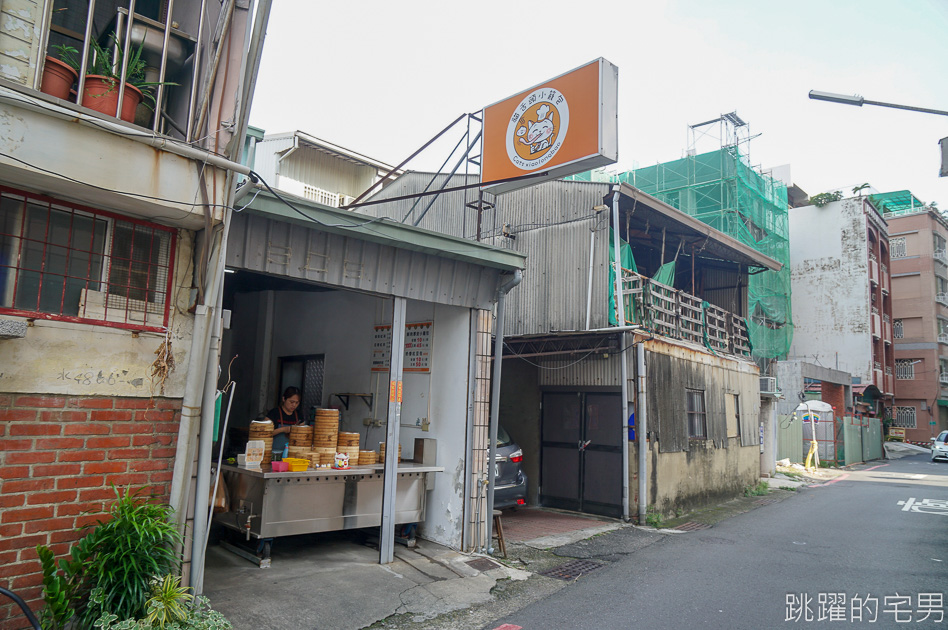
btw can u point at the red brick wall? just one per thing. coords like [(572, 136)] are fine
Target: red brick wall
[(59, 456), (834, 395)]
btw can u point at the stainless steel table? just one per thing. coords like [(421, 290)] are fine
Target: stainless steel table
[(267, 504)]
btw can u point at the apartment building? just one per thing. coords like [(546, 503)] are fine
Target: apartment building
[(918, 235)]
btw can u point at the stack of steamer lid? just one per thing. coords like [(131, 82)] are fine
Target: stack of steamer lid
[(349, 444), (325, 435), (382, 452), (301, 442), (368, 458), (263, 430)]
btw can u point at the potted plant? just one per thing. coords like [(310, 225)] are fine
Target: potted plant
[(101, 85), (59, 75)]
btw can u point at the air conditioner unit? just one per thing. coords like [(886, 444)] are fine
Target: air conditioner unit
[(768, 385)]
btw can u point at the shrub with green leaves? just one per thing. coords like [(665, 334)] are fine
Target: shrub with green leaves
[(126, 551)]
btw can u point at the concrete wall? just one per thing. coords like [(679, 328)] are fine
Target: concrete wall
[(830, 286), (70, 359), (19, 40)]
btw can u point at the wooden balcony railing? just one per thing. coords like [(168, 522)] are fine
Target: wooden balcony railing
[(680, 315)]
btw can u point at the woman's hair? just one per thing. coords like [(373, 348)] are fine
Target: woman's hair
[(291, 391)]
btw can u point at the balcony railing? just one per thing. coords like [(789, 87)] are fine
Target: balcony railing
[(943, 338), (163, 47), (680, 315), (943, 378), (941, 256), (942, 298)]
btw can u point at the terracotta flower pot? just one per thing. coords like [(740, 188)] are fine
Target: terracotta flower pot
[(101, 94), (58, 78)]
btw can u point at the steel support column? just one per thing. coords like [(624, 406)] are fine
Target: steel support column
[(387, 529)]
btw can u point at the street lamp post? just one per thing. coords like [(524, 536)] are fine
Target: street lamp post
[(859, 101)]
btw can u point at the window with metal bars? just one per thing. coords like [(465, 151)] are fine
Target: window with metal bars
[(897, 247), (697, 415), (897, 329), (68, 262), (905, 369), (904, 417)]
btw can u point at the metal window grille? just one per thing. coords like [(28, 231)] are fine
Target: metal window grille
[(697, 416), (905, 369), (897, 248), (904, 417), (72, 263), (897, 330)]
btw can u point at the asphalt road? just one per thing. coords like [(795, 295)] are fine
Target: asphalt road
[(866, 550)]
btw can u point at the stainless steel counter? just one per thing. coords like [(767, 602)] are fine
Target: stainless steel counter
[(270, 504)]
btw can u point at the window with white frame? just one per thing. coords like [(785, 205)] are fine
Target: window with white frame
[(69, 262), (938, 241), (905, 369), (904, 417), (897, 247), (897, 330), (697, 415), (941, 285)]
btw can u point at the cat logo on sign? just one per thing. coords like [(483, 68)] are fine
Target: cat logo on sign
[(537, 128)]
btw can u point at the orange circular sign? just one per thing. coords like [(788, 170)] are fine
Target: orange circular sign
[(537, 128)]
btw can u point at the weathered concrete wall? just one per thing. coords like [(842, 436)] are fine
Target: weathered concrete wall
[(830, 284), (20, 22), (63, 358)]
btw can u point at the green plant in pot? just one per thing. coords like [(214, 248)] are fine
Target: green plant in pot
[(60, 74), (101, 89)]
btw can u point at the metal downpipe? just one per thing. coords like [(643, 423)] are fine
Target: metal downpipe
[(495, 403), (641, 427), (624, 372), (617, 260)]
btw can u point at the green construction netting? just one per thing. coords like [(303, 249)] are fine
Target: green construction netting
[(666, 274), (627, 262), (720, 189)]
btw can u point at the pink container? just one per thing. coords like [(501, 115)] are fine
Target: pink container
[(279, 466)]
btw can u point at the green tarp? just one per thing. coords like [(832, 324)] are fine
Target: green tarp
[(627, 262)]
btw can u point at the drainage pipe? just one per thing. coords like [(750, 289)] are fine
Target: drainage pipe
[(641, 427), (624, 374), (589, 281), (502, 292), (617, 260)]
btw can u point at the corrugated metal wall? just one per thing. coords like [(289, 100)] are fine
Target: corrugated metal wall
[(257, 243), (552, 223), (594, 371), (720, 289)]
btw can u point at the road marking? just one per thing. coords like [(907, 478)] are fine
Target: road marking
[(508, 626), (821, 485), (925, 506), (874, 467), (917, 476)]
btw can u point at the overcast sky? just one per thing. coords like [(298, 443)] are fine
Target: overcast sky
[(381, 78)]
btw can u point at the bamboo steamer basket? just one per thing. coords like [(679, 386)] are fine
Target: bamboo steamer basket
[(259, 430), (348, 439), (301, 436), (367, 458), (327, 458), (351, 451), (297, 452), (382, 452)]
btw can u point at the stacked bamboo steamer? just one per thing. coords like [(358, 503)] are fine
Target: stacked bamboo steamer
[(325, 435), (263, 431), (368, 458), (301, 441), (382, 452), (348, 444)]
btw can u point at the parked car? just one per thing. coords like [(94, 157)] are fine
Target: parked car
[(510, 484), (940, 446)]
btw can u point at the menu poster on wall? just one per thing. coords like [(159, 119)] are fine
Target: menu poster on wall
[(417, 357)]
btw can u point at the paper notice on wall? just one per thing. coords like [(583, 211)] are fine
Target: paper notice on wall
[(417, 356)]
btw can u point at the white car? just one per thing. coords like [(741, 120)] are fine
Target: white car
[(940, 446)]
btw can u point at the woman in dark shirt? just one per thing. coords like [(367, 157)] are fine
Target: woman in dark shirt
[(284, 416)]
